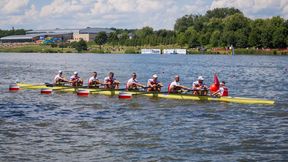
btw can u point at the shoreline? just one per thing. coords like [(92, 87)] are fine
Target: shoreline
[(108, 49)]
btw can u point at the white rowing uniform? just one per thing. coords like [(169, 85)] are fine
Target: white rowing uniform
[(174, 84), (107, 79), (73, 77), (58, 78), (92, 79), (197, 84), (151, 81), (131, 81), (221, 91)]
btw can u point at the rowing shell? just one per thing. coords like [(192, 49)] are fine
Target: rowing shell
[(109, 92)]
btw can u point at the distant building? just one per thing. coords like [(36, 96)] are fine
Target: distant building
[(19, 38), (89, 34), (35, 37)]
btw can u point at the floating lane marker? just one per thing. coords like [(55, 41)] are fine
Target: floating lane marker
[(14, 87), (124, 95), (83, 92), (46, 91)]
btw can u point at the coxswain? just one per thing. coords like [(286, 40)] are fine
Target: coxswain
[(133, 84), (199, 88), (222, 91), (94, 81), (175, 86), (110, 82), (75, 80), (153, 84), (59, 79)]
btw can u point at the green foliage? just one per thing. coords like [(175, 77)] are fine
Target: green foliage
[(4, 33), (79, 46), (228, 26), (101, 38), (222, 12), (220, 27)]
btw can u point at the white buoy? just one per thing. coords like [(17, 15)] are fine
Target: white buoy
[(46, 91), (14, 87), (124, 95), (83, 92)]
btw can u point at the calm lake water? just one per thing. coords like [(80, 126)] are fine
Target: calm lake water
[(64, 127)]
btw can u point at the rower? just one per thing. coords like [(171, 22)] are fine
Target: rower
[(222, 91), (153, 84), (59, 79), (133, 84), (93, 81), (110, 82), (175, 86), (199, 88), (75, 80)]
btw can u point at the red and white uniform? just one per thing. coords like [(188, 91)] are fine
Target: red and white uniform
[(197, 84), (57, 78), (223, 91), (173, 84), (92, 80), (73, 77), (131, 81), (109, 80), (151, 81)]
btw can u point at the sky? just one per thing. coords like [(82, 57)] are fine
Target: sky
[(130, 14)]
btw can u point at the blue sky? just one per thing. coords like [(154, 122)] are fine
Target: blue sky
[(43, 14)]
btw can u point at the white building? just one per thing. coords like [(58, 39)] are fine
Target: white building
[(89, 34)]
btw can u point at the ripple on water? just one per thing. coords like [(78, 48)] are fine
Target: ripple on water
[(65, 127)]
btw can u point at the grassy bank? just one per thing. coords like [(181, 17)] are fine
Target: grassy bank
[(93, 48)]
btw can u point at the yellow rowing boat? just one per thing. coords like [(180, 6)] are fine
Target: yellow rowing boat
[(109, 92)]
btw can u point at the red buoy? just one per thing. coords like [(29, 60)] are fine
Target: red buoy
[(124, 95), (82, 92), (14, 87), (46, 91)]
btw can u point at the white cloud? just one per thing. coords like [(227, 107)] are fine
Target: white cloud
[(59, 8), (255, 8), (122, 13), (12, 6)]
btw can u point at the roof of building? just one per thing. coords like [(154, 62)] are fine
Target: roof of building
[(94, 30), (15, 37), (57, 30), (30, 36)]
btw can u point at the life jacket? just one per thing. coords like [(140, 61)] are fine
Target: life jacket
[(225, 93)]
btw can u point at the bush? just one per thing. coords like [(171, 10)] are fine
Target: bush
[(131, 51)]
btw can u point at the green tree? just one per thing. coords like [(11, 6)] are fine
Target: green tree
[(215, 38), (279, 37), (113, 38), (235, 22), (101, 38), (241, 39), (79, 46), (181, 39), (222, 12), (144, 32)]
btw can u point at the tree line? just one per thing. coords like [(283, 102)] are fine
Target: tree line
[(4, 33), (220, 27)]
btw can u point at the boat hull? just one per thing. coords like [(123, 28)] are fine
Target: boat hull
[(241, 100)]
